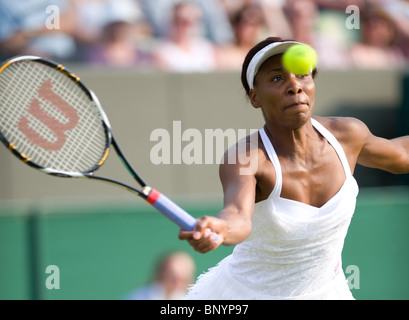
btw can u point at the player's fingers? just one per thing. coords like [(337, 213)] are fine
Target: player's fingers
[(185, 235), (195, 234), (201, 227), (206, 243)]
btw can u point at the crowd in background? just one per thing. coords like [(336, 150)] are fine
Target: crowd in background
[(204, 35)]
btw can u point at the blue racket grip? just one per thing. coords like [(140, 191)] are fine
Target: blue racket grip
[(172, 211)]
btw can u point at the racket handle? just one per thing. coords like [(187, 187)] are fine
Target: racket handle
[(172, 211)]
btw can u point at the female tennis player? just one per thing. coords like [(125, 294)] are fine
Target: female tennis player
[(290, 217)]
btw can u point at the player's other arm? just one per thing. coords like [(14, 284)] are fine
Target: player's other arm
[(376, 152)]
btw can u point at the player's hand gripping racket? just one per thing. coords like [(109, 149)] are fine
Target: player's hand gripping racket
[(50, 120)]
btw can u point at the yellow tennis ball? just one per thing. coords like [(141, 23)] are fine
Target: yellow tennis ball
[(300, 59)]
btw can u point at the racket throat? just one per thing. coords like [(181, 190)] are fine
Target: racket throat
[(151, 194)]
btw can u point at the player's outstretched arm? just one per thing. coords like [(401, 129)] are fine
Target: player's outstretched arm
[(388, 155), (368, 150), (233, 222)]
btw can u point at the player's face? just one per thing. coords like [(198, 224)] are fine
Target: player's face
[(284, 98)]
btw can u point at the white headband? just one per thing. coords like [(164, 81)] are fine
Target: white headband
[(263, 55)]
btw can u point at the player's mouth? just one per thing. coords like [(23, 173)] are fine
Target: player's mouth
[(297, 105)]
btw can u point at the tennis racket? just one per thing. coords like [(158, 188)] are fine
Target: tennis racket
[(51, 121)]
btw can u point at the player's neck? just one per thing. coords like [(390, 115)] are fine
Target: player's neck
[(291, 141)]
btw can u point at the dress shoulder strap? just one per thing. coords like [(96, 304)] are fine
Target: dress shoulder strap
[(335, 144), (276, 163)]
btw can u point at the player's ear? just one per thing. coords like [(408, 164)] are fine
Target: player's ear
[(255, 102)]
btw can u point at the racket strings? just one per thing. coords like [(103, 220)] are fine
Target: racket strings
[(67, 133)]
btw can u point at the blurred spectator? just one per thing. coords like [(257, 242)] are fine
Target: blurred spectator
[(173, 275), (108, 25), (304, 16), (119, 43), (185, 49), (378, 47), (118, 49), (233, 6), (398, 11), (41, 27), (275, 17), (215, 27), (204, 35), (249, 28), (273, 11)]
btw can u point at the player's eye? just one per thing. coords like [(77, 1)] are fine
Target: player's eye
[(277, 78)]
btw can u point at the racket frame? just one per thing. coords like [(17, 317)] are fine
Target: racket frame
[(110, 140), (152, 196)]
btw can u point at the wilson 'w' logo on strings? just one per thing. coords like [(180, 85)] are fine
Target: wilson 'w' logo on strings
[(57, 128)]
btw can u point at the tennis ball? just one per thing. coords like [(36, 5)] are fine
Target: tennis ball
[(300, 59)]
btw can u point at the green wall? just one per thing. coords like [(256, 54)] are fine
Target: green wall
[(105, 249)]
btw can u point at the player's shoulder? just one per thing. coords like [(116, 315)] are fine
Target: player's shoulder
[(344, 127), (241, 154)]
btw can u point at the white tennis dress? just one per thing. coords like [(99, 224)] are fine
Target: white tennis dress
[(294, 249)]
